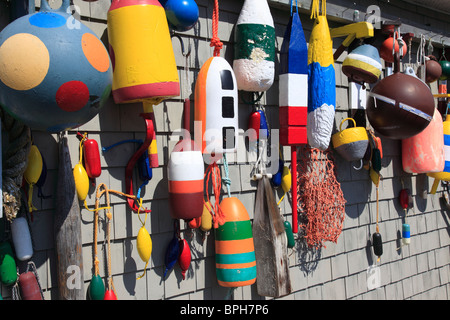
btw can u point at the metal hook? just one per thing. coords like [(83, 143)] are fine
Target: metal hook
[(182, 45)]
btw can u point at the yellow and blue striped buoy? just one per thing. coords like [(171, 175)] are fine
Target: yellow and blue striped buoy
[(322, 81), (235, 250)]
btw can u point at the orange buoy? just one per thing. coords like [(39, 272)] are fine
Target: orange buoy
[(235, 250)]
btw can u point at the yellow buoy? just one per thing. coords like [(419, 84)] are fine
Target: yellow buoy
[(286, 179), (206, 223), (34, 166), (81, 181), (144, 246)]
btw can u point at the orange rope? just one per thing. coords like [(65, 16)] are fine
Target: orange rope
[(216, 212), (321, 197), (215, 41)]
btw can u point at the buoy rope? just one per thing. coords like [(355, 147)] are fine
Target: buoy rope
[(213, 173), (215, 41), (226, 179), (296, 6), (315, 9)]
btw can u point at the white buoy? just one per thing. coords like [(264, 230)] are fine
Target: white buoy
[(254, 55), (21, 238)]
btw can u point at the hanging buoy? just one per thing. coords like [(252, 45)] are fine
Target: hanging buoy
[(351, 143), (185, 175), (21, 237), (8, 271), (293, 84), (286, 180), (206, 218), (184, 260), (235, 251), (363, 64), (254, 122), (81, 181), (276, 178), (34, 166), (131, 44), (56, 64), (144, 245), (400, 105), (322, 83), (96, 288), (444, 175), (254, 50), (182, 15), (406, 234), (110, 295), (29, 286), (195, 223), (92, 158), (424, 152), (377, 244), (433, 69), (289, 234), (388, 45), (405, 199), (171, 256), (216, 107), (445, 66)]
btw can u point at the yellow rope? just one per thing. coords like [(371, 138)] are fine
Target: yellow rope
[(315, 11)]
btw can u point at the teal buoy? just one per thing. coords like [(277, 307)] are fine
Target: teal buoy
[(96, 288)]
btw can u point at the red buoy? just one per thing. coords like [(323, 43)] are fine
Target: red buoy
[(92, 158), (110, 295), (185, 257), (29, 286)]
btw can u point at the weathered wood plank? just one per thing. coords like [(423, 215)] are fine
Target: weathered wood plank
[(272, 265), (67, 229)]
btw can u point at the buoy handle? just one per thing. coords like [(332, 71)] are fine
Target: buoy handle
[(340, 126), (435, 186), (45, 7)]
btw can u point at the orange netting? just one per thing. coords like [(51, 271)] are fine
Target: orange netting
[(321, 201)]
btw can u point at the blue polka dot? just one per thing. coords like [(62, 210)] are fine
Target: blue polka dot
[(47, 20)]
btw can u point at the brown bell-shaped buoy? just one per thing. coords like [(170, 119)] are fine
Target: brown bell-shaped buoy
[(400, 105), (433, 69)]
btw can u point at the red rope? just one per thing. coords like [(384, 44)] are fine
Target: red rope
[(216, 212), (215, 41)]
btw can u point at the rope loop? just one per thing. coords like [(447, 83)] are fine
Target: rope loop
[(215, 41)]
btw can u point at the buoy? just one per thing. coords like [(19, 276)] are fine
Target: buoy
[(424, 152), (182, 15), (351, 143), (445, 66), (184, 260), (206, 218), (235, 251), (21, 237), (276, 178), (8, 271), (195, 223), (29, 286), (81, 181), (110, 295), (185, 175), (377, 244), (286, 180), (57, 65), (96, 288), (34, 165), (433, 69), (289, 234), (405, 199), (216, 107), (322, 83), (400, 105), (144, 245), (293, 84), (363, 64), (387, 47), (406, 234), (254, 49), (131, 44), (254, 122), (172, 253), (444, 175), (92, 158)]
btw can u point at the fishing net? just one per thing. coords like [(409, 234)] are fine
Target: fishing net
[(321, 202)]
